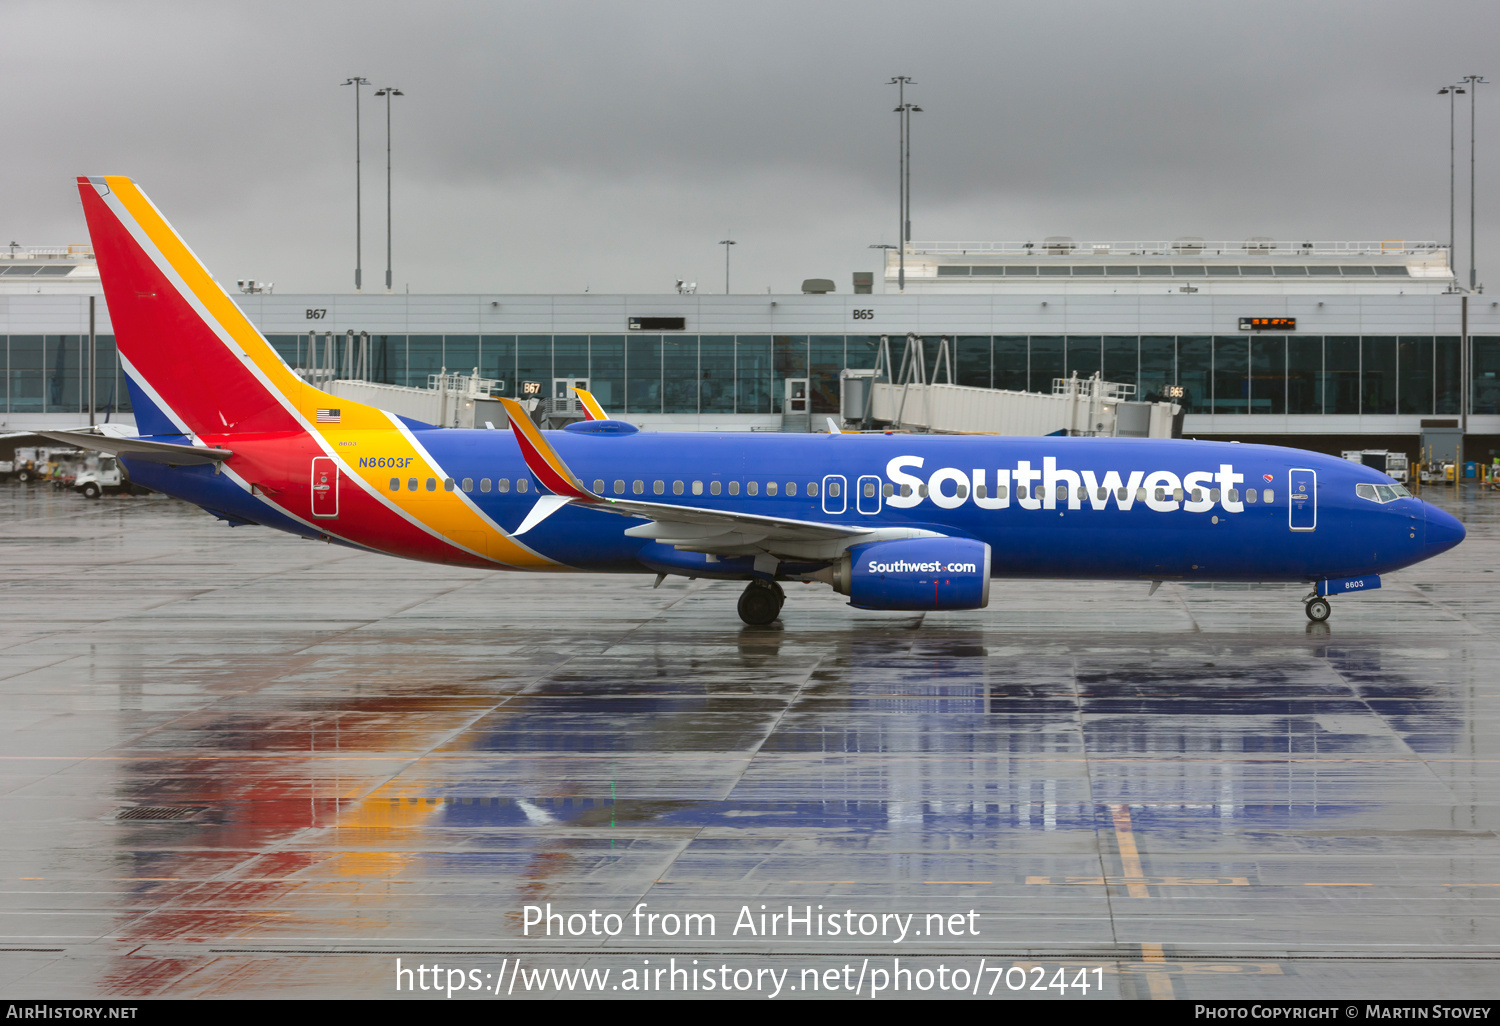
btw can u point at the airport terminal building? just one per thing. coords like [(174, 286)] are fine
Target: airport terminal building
[(1320, 345)]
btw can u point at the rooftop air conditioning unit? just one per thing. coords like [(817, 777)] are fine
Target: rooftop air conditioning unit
[(817, 286)]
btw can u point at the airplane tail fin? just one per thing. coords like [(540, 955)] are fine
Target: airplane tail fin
[(194, 363), (591, 408)]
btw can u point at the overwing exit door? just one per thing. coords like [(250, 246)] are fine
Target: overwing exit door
[(325, 487), (1302, 496)]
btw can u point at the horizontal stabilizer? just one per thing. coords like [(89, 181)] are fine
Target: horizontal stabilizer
[(139, 449)]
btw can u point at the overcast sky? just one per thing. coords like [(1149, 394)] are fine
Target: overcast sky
[(549, 147)]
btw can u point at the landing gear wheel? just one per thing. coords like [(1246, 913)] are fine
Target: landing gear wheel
[(761, 602), (1318, 609)]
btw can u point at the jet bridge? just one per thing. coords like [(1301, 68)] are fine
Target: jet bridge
[(902, 398)]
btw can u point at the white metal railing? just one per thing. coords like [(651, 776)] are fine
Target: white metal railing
[(469, 385), (1179, 247), (77, 251), (1093, 388)]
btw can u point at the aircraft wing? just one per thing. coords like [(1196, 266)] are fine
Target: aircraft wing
[(689, 528), (141, 449)]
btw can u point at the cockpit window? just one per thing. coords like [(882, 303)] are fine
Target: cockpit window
[(1381, 493)]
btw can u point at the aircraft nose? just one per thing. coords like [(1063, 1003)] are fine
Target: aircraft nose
[(1443, 530)]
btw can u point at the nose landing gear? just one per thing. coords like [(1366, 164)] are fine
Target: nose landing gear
[(1318, 609), (761, 602)]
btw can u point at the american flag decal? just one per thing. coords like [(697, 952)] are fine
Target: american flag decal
[(328, 417)]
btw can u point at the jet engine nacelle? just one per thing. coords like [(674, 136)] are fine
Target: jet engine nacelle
[(917, 573)]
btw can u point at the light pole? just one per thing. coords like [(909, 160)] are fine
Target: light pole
[(726, 243), (1452, 92), (1474, 81), (911, 108), (902, 178), (356, 82), (388, 92)]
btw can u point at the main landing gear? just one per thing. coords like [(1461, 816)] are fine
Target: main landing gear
[(1318, 609), (761, 602)]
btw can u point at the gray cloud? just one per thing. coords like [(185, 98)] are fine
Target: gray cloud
[(543, 147)]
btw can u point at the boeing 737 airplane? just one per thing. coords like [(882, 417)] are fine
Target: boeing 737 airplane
[(893, 521)]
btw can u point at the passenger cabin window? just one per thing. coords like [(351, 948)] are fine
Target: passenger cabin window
[(963, 491), (1251, 495), (833, 489), (619, 487), (598, 486), (1120, 493), (770, 487), (752, 487), (1161, 494), (697, 487), (1268, 495), (1213, 495), (1234, 495), (522, 484), (1197, 495), (791, 487), (812, 489), (468, 484), (869, 489), (638, 487), (734, 488), (1176, 494), (411, 484), (503, 485), (447, 484), (1140, 494), (676, 487), (658, 487), (888, 490), (484, 484), (395, 484), (714, 488)]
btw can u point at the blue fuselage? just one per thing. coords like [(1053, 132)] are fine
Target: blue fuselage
[(1048, 507)]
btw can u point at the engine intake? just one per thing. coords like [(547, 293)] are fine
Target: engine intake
[(918, 573)]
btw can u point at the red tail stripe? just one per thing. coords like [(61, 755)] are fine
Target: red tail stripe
[(167, 341)]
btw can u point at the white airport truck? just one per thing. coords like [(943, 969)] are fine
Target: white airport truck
[(106, 477)]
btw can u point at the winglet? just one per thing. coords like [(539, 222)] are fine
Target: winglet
[(591, 408), (543, 460)]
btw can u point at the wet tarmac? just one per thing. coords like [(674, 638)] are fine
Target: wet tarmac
[(235, 763)]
